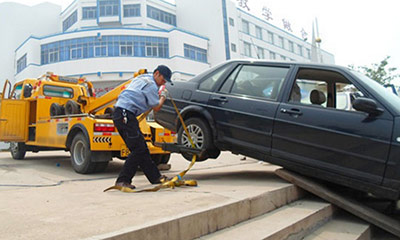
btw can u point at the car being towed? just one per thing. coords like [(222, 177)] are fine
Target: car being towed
[(290, 114)]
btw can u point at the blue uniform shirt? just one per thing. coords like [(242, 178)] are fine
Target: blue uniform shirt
[(140, 95)]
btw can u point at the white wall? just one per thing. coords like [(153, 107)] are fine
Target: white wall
[(18, 22)]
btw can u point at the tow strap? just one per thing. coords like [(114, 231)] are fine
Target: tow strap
[(177, 180)]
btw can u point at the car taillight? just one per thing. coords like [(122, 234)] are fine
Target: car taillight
[(103, 127)]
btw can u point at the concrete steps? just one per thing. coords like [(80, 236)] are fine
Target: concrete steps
[(197, 223), (293, 221), (343, 227)]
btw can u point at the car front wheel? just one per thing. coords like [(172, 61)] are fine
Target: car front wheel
[(201, 135)]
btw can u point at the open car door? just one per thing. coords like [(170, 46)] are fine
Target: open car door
[(14, 117)]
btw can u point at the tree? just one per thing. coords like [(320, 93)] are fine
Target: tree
[(379, 72)]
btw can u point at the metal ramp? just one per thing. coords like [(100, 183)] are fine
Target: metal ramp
[(354, 207)]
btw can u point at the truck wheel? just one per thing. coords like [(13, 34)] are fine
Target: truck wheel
[(82, 157), (17, 150), (56, 109), (201, 136), (72, 107), (160, 158)]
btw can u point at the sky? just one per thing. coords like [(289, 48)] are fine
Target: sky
[(357, 32)]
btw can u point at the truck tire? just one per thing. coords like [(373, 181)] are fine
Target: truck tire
[(18, 150), (160, 158), (72, 107), (56, 109), (82, 157), (202, 138)]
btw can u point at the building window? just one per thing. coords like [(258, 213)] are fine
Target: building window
[(106, 46), (73, 18), (21, 63), (132, 10), (247, 49), (260, 53), (272, 55), (89, 12), (308, 53), (291, 46), (161, 16), (195, 53), (245, 25), (108, 8), (233, 47), (258, 32), (231, 22), (283, 57), (270, 37), (300, 50), (280, 42)]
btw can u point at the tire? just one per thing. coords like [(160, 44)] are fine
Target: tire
[(72, 107), (160, 158), (202, 138), (82, 158), (56, 109), (18, 150)]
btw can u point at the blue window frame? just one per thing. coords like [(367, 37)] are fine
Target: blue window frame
[(107, 46), (73, 18), (161, 16), (89, 12), (195, 53), (21, 63), (132, 10), (108, 8)]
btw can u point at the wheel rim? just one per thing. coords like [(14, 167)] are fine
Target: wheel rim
[(79, 153), (14, 147), (197, 135)]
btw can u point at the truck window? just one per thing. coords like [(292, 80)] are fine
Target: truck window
[(17, 92), (57, 91)]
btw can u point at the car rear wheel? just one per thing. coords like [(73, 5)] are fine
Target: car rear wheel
[(18, 150), (82, 158), (201, 135)]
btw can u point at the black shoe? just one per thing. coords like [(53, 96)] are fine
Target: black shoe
[(163, 179), (124, 184)]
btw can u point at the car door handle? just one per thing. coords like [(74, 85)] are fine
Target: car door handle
[(293, 111), (219, 99)]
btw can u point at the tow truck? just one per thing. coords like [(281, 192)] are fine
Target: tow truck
[(55, 112)]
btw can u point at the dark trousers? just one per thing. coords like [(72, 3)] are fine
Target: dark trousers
[(134, 140)]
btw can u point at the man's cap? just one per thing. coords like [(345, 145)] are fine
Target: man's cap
[(165, 71)]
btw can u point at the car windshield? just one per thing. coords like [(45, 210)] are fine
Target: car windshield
[(391, 99)]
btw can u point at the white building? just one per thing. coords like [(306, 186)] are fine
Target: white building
[(107, 40)]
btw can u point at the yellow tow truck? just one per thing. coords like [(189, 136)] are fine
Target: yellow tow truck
[(62, 113)]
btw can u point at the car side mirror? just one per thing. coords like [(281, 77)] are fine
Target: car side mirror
[(367, 105)]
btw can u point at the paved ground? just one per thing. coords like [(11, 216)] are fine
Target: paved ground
[(41, 197)]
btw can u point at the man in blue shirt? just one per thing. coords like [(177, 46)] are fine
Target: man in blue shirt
[(137, 98)]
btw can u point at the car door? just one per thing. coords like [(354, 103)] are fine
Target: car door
[(244, 108), (316, 129)]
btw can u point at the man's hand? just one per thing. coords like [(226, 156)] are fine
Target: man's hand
[(163, 92)]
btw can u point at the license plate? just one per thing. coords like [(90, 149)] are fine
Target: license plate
[(125, 151)]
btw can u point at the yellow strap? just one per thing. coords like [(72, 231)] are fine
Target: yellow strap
[(176, 181)]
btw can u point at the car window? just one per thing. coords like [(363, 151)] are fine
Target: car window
[(259, 81), (325, 89), (209, 83), (226, 87)]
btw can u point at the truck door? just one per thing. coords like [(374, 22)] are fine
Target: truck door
[(14, 117)]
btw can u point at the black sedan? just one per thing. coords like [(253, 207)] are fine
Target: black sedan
[(324, 121)]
